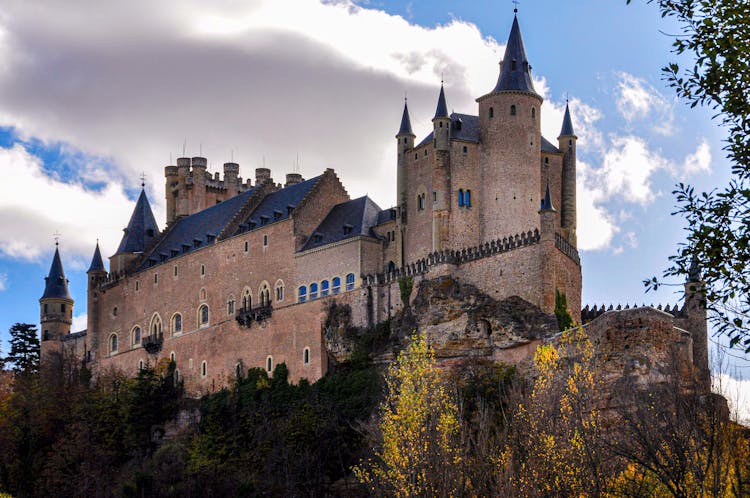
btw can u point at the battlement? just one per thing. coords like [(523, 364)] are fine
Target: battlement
[(588, 314)]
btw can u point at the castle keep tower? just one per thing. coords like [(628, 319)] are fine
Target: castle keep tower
[(404, 145), (55, 307), (510, 133)]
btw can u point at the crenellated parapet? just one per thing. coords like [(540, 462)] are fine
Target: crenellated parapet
[(590, 313)]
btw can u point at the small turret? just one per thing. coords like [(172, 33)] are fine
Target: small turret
[(231, 179), (442, 123), (180, 191), (138, 236), (567, 145), (696, 322), (97, 275), (56, 307), (262, 175), (404, 143), (198, 194)]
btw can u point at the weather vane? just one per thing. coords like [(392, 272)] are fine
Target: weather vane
[(56, 235), (515, 2), (143, 179)]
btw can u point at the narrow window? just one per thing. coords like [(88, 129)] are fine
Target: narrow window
[(434, 196), (113, 343), (279, 291), (203, 369), (416, 155), (203, 270), (238, 370), (425, 153), (466, 150), (546, 161), (45, 336), (533, 113), (404, 140), (313, 291), (176, 376), (350, 281), (265, 241), (324, 287), (203, 316), (336, 285), (136, 336), (140, 365), (441, 124), (513, 65), (247, 299), (306, 356), (230, 307), (175, 270), (62, 308), (114, 311), (156, 278), (171, 356), (156, 327), (177, 323), (492, 112), (269, 364), (460, 197), (467, 198), (513, 110), (570, 143), (302, 294), (46, 307), (247, 246)]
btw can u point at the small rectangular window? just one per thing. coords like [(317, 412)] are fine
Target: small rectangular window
[(230, 307), (434, 196), (175, 270), (156, 278), (265, 241), (247, 246), (137, 286), (62, 308)]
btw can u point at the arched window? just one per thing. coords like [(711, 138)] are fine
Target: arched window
[(350, 281), (302, 294), (247, 299), (306, 356), (230, 305), (324, 288), (140, 365), (176, 376), (336, 285), (513, 110), (135, 334), (391, 266), (546, 161), (279, 290), (203, 294), (171, 356), (492, 112), (155, 327), (203, 315), (204, 369), (176, 323), (460, 197), (269, 364), (113, 344), (264, 294), (467, 198), (313, 291)]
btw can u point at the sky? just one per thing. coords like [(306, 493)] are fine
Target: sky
[(95, 94)]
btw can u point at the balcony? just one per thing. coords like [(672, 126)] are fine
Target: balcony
[(246, 317), (152, 343)]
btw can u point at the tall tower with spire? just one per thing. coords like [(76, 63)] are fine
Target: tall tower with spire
[(404, 144), (96, 274), (567, 145), (55, 307), (441, 174), (510, 133)]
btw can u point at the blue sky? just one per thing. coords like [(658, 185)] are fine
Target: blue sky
[(93, 94)]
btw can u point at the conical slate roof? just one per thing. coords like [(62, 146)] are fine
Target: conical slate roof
[(567, 126), (547, 201), (515, 73), (405, 128), (694, 272), (96, 262), (442, 108), (141, 229), (56, 283)]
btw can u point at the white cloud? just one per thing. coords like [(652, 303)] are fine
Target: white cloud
[(737, 393), (3, 281), (79, 323), (638, 101), (35, 206), (699, 161), (627, 169), (597, 226)]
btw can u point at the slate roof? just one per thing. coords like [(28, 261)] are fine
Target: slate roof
[(56, 284), (96, 262), (441, 111), (567, 126), (405, 128), (277, 206), (547, 201), (386, 215), (515, 73), (547, 146), (192, 232), (344, 221), (142, 228), (465, 127)]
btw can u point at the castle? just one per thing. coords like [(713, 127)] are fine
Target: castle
[(240, 275)]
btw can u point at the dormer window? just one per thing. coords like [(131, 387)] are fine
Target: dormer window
[(174, 252), (289, 210), (513, 65), (459, 124), (317, 237), (210, 238), (252, 224), (263, 220), (277, 215), (347, 229), (197, 242), (185, 248)]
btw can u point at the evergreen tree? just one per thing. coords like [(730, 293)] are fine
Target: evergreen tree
[(24, 348)]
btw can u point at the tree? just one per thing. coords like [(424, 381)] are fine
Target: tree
[(419, 453), (716, 36), (24, 348)]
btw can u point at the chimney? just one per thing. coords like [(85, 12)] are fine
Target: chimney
[(293, 179)]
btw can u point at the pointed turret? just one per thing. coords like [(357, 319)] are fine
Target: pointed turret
[(441, 123), (141, 229), (56, 283), (547, 201), (97, 264), (442, 108), (56, 306), (694, 272), (515, 71), (405, 128), (567, 125)]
